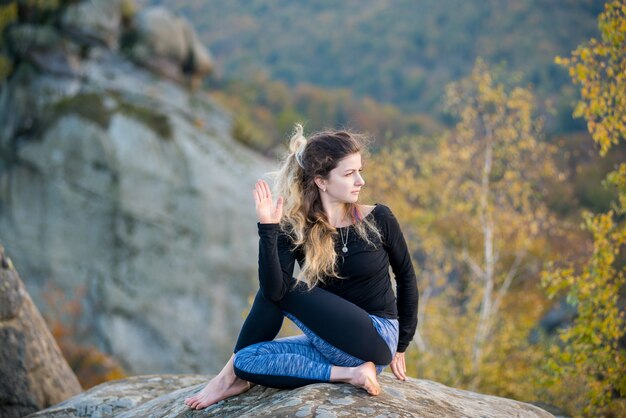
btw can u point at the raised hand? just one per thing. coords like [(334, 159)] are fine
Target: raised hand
[(266, 211)]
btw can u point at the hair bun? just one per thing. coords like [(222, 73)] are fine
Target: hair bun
[(297, 144)]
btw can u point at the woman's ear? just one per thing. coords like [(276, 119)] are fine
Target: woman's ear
[(320, 182)]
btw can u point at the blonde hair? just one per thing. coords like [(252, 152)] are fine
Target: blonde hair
[(304, 218)]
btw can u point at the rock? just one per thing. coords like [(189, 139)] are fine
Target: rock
[(168, 45), (94, 22), (128, 187), (34, 373), (163, 396), (44, 47), (111, 398)]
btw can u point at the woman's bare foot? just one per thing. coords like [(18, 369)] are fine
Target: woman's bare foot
[(363, 376), (218, 388), (222, 386)]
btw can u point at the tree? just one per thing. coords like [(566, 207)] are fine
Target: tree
[(474, 199), (590, 349)]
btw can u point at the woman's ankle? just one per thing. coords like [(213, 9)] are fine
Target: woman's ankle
[(341, 374)]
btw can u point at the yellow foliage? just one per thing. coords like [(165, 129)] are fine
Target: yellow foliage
[(587, 372), (452, 206), (598, 66)]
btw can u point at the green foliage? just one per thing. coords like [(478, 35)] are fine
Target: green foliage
[(399, 52), (590, 351), (267, 110), (617, 179), (248, 134)]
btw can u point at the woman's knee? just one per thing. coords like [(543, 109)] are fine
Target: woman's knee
[(243, 359), (381, 357), (387, 359)]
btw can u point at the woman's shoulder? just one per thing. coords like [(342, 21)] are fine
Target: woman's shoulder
[(367, 210), (384, 217), (375, 210)]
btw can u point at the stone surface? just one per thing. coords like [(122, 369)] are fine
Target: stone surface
[(33, 372), (94, 22), (44, 47), (163, 396), (169, 45), (128, 188)]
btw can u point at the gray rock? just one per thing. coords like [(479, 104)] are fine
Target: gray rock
[(169, 45), (163, 396), (94, 22), (131, 189), (45, 47), (34, 373)]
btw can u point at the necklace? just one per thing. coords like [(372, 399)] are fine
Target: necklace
[(345, 247)]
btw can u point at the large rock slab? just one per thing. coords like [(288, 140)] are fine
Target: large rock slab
[(33, 372), (163, 396), (129, 189)]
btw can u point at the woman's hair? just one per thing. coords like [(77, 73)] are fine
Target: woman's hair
[(304, 218)]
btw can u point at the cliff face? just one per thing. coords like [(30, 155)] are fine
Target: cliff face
[(162, 396), (127, 186)]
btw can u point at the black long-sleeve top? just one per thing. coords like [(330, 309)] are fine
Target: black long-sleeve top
[(366, 282)]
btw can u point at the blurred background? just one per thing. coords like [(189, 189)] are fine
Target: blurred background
[(132, 133)]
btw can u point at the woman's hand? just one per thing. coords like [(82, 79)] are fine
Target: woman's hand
[(265, 209), (398, 366)]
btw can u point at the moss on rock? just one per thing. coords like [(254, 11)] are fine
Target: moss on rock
[(155, 121), (89, 106)]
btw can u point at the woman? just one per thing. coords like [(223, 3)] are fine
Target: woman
[(342, 300)]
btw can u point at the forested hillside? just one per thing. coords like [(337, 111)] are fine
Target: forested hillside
[(403, 52)]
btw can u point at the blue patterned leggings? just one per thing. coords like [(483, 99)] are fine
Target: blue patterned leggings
[(335, 332)]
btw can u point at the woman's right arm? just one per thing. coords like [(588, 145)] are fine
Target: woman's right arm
[(276, 261)]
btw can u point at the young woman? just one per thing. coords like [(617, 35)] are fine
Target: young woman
[(353, 325)]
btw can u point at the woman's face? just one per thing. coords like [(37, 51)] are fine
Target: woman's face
[(344, 181)]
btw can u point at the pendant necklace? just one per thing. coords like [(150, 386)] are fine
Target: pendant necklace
[(345, 248)]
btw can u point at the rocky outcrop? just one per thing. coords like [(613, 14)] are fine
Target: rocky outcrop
[(94, 22), (162, 396), (168, 45), (152, 37), (129, 188), (34, 373)]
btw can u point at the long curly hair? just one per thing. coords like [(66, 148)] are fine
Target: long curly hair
[(304, 218)]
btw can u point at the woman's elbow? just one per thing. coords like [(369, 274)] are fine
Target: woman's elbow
[(273, 295)]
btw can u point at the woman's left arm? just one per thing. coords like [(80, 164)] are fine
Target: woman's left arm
[(406, 288)]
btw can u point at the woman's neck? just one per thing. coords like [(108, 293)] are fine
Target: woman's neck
[(337, 214)]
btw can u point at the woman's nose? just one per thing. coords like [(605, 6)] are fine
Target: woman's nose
[(359, 180)]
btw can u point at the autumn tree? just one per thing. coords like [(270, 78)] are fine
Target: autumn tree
[(472, 201), (590, 352)]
